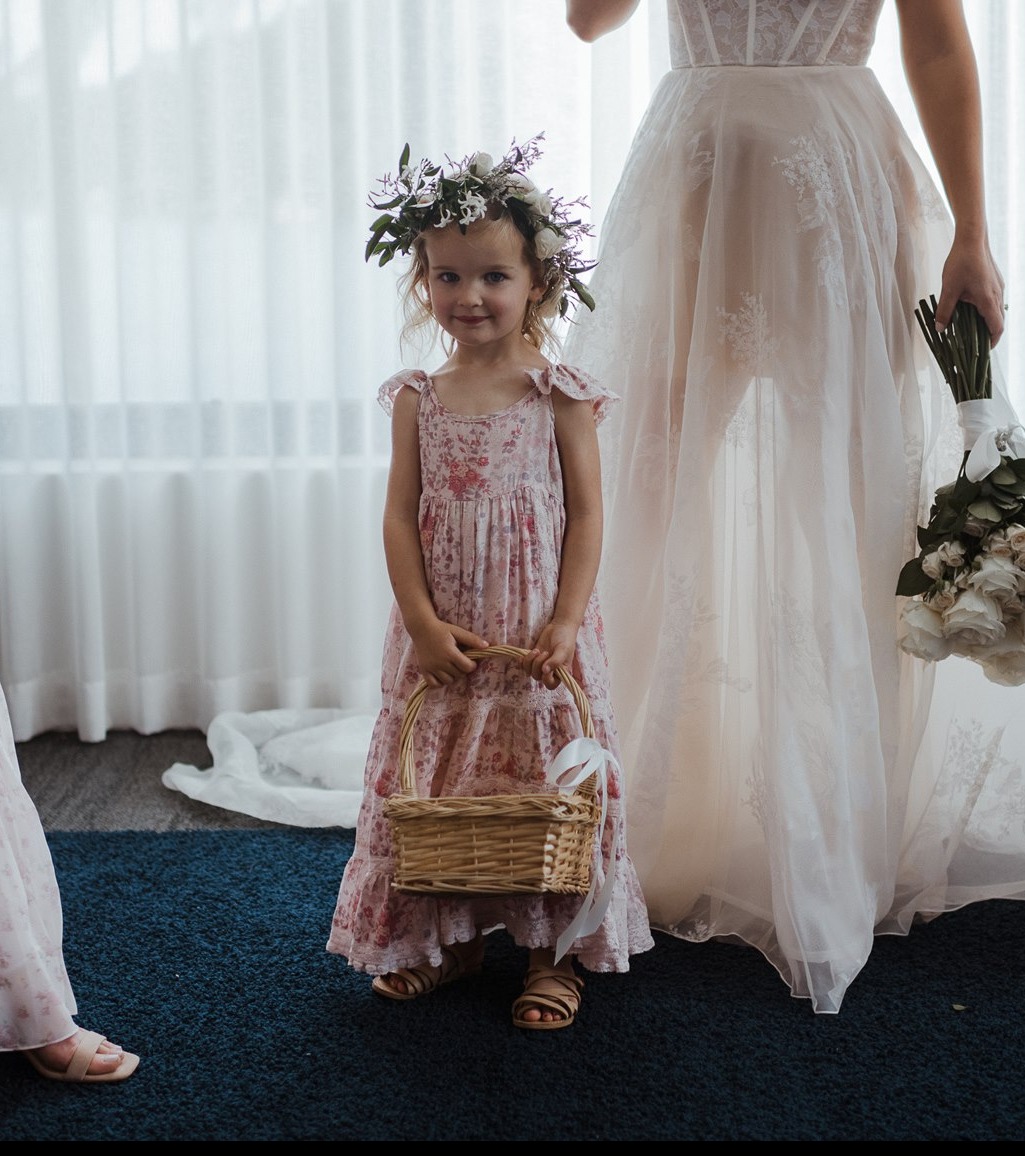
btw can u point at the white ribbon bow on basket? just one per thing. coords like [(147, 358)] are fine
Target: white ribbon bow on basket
[(991, 429), (578, 759)]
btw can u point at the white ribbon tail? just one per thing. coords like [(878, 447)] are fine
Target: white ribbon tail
[(577, 760), (991, 430)]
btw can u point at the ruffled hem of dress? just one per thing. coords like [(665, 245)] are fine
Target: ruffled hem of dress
[(365, 934)]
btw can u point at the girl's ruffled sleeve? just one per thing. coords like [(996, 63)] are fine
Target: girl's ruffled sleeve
[(577, 384), (414, 378)]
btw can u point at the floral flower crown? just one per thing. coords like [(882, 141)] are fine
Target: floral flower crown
[(425, 195)]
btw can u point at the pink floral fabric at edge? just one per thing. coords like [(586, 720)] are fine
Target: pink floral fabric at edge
[(491, 526), (36, 1000)]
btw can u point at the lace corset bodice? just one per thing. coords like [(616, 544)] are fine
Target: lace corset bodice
[(705, 33)]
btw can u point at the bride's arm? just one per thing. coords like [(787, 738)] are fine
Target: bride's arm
[(940, 65), (590, 19)]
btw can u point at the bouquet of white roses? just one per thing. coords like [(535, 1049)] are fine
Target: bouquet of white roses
[(966, 588)]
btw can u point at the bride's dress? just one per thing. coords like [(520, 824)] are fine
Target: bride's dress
[(794, 781)]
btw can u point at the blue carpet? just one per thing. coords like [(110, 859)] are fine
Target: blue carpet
[(204, 952)]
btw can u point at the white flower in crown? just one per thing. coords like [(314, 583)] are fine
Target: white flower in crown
[(547, 242), (524, 189), (481, 164), (472, 206)]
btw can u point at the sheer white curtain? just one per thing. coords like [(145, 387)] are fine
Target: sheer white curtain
[(192, 460)]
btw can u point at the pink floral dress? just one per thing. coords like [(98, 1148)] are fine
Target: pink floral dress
[(491, 525)]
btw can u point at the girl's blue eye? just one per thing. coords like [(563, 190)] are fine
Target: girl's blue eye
[(495, 277), (447, 278)]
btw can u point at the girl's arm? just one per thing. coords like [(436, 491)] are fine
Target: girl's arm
[(437, 643), (590, 19), (940, 65), (577, 439)]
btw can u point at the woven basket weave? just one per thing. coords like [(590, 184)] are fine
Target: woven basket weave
[(499, 845)]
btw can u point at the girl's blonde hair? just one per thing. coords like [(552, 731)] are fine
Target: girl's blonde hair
[(540, 316)]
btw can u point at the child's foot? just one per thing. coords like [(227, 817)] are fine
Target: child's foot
[(551, 993), (457, 960), (85, 1057)]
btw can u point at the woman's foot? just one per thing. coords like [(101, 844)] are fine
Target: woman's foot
[(457, 960), (85, 1057), (551, 993)]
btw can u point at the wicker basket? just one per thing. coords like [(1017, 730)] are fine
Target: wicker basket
[(502, 845)]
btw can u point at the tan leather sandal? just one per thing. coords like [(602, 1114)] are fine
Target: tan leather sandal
[(548, 989), (457, 961)]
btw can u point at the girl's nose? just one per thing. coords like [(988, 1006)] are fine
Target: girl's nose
[(469, 292)]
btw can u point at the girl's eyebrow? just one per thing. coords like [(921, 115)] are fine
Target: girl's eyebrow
[(490, 268)]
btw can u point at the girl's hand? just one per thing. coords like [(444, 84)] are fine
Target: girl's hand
[(970, 274), (555, 646), (439, 652)]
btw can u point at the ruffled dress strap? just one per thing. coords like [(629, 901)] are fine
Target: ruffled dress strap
[(414, 378), (577, 384)]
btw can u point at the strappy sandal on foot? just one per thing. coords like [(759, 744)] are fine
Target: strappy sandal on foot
[(457, 961), (548, 989), (77, 1071)]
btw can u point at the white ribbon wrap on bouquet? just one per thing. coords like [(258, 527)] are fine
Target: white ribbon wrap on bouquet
[(991, 429), (578, 759)]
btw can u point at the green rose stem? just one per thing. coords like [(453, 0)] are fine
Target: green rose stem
[(962, 350)]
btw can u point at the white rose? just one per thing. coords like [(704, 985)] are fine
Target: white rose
[(1005, 663), (540, 202), (997, 576), (1006, 669), (998, 545), (547, 242), (945, 597), (975, 619), (932, 565), (924, 637), (481, 165), (951, 554), (1016, 538), (520, 186)]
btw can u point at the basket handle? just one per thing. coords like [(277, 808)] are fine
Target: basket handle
[(415, 701)]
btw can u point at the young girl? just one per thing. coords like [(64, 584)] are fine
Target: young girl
[(492, 533)]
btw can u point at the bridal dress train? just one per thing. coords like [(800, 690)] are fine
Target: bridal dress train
[(794, 781)]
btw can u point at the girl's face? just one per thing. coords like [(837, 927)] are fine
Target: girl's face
[(480, 282)]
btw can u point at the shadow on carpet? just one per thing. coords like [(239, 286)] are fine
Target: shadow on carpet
[(204, 952)]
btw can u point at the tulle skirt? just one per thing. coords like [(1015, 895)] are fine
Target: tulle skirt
[(794, 780)]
